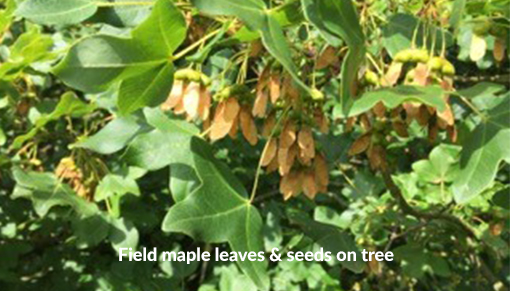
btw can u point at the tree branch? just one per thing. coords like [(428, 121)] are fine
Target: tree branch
[(408, 209)]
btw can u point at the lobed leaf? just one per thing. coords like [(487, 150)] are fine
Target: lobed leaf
[(393, 97), (219, 211), (338, 20), (257, 17), (142, 63), (484, 150)]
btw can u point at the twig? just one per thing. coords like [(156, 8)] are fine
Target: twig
[(408, 209)]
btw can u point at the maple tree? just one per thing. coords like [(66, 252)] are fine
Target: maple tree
[(252, 125)]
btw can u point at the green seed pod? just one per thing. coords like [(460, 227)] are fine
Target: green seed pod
[(448, 69), (410, 76), (222, 95), (371, 78), (317, 95), (188, 75), (403, 56), (280, 104), (205, 80), (436, 63), (239, 91), (420, 56)]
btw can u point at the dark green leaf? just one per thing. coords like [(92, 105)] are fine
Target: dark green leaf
[(255, 15), (331, 238), (90, 230), (56, 11), (219, 211), (393, 97), (150, 88), (46, 191), (113, 137), (484, 150), (123, 234), (398, 34), (142, 62), (69, 105), (338, 19), (94, 63), (168, 144), (457, 13)]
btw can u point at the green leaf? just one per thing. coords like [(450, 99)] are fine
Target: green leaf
[(148, 89), (94, 63), (116, 185), (167, 144), (272, 229), (312, 15), (163, 31), (231, 279), (46, 191), (124, 15), (484, 150), (398, 34), (338, 19), (327, 215), (457, 13), (7, 13), (482, 89), (393, 97), (484, 95), (56, 12), (251, 12), (331, 238), (142, 63), (502, 197), (123, 234), (159, 120), (219, 211), (257, 17), (69, 105), (29, 48), (441, 167), (90, 230), (183, 181), (416, 261), (178, 270), (113, 137), (3, 138)]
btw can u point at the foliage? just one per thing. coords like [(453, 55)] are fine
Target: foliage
[(253, 125)]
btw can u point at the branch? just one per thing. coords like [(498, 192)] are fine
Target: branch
[(408, 209)]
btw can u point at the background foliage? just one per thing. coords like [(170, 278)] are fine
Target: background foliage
[(180, 124)]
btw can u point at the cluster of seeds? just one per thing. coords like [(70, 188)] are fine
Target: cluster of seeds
[(233, 112), (289, 121), (293, 154), (189, 95), (67, 170), (410, 67)]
